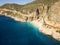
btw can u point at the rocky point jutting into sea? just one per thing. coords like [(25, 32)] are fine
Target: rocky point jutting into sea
[(47, 21)]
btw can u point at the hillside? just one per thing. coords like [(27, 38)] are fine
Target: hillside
[(12, 6), (15, 9), (30, 7), (45, 2), (54, 14)]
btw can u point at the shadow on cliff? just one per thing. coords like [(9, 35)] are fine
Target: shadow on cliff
[(21, 33)]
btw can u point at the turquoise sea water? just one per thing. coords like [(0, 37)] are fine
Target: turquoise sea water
[(22, 33)]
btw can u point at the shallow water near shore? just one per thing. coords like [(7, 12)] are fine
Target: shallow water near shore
[(22, 33)]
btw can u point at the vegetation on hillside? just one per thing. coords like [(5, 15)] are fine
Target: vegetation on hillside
[(31, 7), (46, 2), (12, 6)]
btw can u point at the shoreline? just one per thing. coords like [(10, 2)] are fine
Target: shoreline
[(46, 30), (41, 27)]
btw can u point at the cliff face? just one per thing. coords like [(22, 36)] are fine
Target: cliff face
[(54, 13)]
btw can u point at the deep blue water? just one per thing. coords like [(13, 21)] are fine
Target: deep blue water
[(22, 33)]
